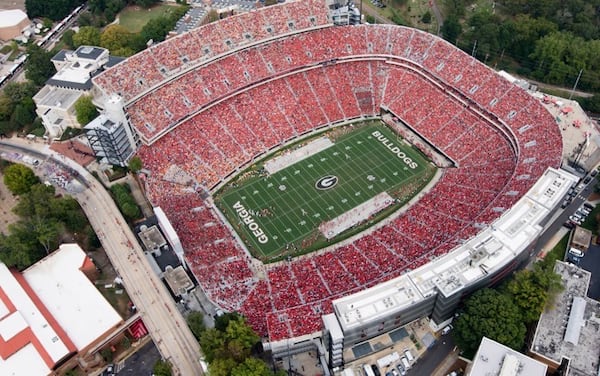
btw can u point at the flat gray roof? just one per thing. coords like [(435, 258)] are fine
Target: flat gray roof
[(152, 238), (569, 328), (178, 280)]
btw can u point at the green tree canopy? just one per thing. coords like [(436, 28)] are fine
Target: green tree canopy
[(85, 110), (451, 28), (54, 9), (67, 38), (87, 36), (252, 367), (195, 321), (125, 201), (117, 40), (234, 342), (532, 289), (162, 368), (42, 219), (38, 67), (491, 314), (19, 178)]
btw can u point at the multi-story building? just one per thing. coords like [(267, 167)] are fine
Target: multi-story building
[(55, 102)]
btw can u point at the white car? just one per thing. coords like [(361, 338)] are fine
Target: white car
[(576, 219)]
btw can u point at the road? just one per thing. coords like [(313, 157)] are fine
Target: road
[(369, 9), (560, 216), (164, 322), (433, 357), (437, 14)]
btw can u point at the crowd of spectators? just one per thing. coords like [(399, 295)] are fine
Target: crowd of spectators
[(434, 87), (167, 59)]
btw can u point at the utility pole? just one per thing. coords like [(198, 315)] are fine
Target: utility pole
[(474, 48), (576, 82)]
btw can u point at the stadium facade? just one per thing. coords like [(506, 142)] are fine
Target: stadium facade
[(208, 103)]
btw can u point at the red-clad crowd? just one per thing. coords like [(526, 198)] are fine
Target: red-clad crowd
[(244, 104)]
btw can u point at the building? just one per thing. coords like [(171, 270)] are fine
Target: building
[(581, 239), (579, 243), (55, 102), (51, 313), (436, 289), (12, 23), (110, 136), (567, 336), (495, 359)]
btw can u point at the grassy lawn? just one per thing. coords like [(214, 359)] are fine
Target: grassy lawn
[(133, 18), (288, 206), (5, 49), (410, 13)]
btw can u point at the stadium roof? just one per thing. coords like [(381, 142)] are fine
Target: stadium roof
[(483, 254), (73, 300), (494, 358), (571, 327), (11, 17)]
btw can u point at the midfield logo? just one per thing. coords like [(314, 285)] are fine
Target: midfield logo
[(326, 182)]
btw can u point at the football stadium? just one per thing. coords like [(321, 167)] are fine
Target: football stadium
[(335, 181)]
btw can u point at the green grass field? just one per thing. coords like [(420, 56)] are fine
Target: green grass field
[(288, 208), (133, 18)]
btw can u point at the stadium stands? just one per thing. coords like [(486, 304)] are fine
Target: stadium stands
[(240, 105)]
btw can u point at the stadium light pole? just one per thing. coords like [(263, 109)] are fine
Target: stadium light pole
[(361, 12)]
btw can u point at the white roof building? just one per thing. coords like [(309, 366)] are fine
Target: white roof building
[(55, 102), (495, 359), (50, 312)]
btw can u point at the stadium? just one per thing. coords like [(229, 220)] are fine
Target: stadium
[(215, 101)]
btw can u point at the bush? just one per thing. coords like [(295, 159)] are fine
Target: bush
[(125, 201)]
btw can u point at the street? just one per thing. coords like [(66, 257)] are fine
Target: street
[(164, 322)]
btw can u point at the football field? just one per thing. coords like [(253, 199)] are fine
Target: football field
[(279, 214)]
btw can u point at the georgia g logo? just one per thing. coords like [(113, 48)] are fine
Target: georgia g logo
[(326, 182)]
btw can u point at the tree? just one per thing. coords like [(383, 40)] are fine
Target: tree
[(87, 36), (222, 321), (115, 37), (125, 201), (212, 342), (145, 3), (221, 367), (195, 321), (426, 19), (19, 178), (532, 289), (162, 368), (451, 29), (38, 67), (20, 91), (24, 113), (54, 9), (85, 110), (67, 38), (491, 314), (252, 367), (19, 249)]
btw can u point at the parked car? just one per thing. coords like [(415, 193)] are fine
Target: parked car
[(447, 329), (576, 219)]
